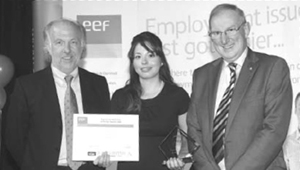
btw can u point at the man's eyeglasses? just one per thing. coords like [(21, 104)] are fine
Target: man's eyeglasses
[(229, 32)]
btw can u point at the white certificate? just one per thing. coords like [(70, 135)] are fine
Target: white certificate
[(115, 133)]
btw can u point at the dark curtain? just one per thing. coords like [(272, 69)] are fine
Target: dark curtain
[(16, 34), (16, 42)]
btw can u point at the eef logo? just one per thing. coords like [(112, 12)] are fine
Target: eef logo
[(96, 25), (102, 29)]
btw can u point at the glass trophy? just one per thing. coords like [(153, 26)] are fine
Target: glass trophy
[(171, 144)]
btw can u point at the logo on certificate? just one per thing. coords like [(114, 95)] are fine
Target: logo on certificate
[(91, 153), (82, 120)]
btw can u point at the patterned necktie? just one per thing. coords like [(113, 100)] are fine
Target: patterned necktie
[(221, 117), (70, 108)]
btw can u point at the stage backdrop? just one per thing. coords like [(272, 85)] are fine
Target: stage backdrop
[(183, 27)]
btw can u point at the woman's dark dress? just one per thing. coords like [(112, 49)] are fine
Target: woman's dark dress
[(158, 117)]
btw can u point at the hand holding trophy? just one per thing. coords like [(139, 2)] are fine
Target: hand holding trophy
[(169, 146)]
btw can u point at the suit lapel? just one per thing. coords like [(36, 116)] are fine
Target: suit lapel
[(87, 91), (248, 69), (50, 90), (84, 88)]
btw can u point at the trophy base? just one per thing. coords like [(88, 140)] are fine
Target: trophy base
[(187, 159)]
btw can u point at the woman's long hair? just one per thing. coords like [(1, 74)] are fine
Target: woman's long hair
[(133, 89)]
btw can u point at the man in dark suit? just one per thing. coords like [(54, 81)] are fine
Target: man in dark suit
[(35, 134), (243, 128)]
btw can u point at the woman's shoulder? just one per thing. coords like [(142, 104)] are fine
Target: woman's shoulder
[(176, 97), (175, 89), (120, 90), (119, 93)]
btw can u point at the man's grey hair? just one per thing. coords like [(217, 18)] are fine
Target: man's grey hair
[(75, 24), (223, 7)]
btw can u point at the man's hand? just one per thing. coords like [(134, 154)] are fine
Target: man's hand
[(174, 163), (103, 160)]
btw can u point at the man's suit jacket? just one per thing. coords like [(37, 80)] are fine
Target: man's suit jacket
[(258, 119), (34, 121)]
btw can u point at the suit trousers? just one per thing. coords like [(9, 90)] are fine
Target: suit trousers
[(63, 168), (86, 166)]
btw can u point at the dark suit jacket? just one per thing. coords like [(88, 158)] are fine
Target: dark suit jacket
[(258, 119), (34, 124)]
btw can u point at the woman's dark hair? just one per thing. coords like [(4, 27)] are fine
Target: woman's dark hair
[(133, 88)]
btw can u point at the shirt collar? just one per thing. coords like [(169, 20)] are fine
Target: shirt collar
[(240, 60), (59, 74)]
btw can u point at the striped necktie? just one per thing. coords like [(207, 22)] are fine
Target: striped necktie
[(70, 108), (220, 119)]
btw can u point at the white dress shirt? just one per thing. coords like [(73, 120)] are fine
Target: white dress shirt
[(61, 87), (224, 83)]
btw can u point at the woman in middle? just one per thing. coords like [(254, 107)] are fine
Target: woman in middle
[(152, 94)]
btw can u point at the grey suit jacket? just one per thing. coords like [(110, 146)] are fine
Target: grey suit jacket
[(258, 118)]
